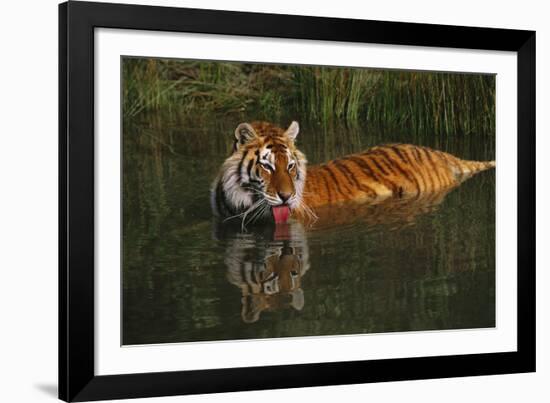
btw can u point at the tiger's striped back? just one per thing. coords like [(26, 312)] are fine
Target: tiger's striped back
[(386, 171)]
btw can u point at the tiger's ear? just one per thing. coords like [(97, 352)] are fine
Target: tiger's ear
[(243, 134), (293, 130)]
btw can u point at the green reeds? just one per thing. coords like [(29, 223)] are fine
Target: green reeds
[(326, 94), (185, 87), (438, 103), (422, 102)]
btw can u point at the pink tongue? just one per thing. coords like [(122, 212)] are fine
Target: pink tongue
[(280, 214)]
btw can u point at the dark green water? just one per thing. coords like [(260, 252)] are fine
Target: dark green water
[(393, 268)]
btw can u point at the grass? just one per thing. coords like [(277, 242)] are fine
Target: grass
[(435, 102), (423, 102)]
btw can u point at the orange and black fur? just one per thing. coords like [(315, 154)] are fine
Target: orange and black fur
[(267, 171)]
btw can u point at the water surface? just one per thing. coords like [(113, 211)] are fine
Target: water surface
[(399, 266)]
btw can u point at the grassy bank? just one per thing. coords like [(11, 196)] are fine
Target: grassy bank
[(436, 103)]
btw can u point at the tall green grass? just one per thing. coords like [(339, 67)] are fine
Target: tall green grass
[(423, 102), (328, 94), (434, 102), (198, 88)]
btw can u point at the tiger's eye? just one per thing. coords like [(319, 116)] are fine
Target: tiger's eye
[(266, 167)]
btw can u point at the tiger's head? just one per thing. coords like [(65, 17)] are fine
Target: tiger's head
[(263, 177)]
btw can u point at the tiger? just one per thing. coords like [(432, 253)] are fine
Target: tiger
[(268, 268), (268, 177)]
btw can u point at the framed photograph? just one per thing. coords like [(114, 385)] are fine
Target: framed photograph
[(256, 201)]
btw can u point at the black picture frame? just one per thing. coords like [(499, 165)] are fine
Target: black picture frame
[(77, 379)]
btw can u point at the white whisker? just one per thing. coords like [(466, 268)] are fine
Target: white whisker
[(252, 207), (257, 207), (260, 211), (308, 211)]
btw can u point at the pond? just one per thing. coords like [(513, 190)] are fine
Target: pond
[(399, 266)]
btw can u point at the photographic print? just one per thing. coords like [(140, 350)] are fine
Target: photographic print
[(268, 200)]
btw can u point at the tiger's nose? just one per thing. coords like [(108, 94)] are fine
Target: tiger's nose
[(284, 196)]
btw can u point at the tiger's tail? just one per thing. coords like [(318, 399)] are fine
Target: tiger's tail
[(472, 167)]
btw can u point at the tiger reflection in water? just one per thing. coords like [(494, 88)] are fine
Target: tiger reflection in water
[(267, 264)]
